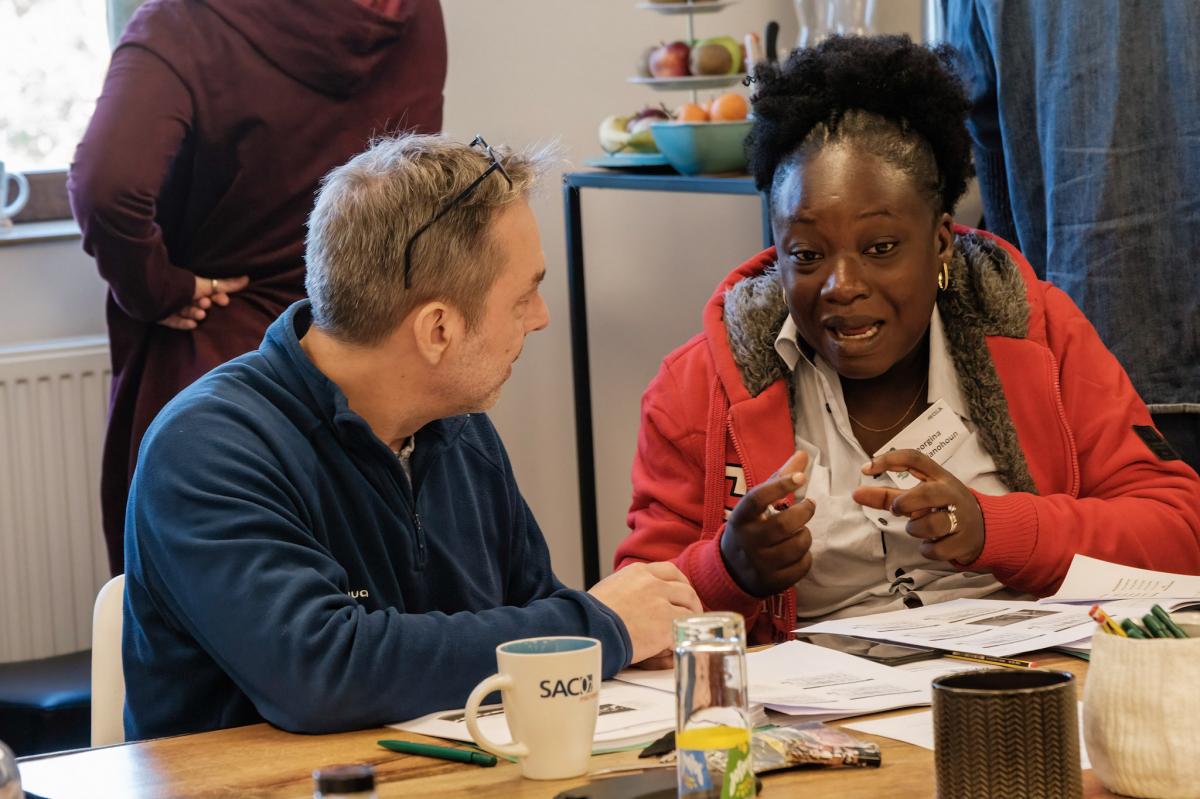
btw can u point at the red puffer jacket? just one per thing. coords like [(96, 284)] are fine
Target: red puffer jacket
[(1082, 479)]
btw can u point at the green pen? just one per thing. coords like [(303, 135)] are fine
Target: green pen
[(1173, 628), (440, 752), (1132, 629), (1156, 628)]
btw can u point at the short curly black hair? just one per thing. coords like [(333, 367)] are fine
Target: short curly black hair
[(902, 89)]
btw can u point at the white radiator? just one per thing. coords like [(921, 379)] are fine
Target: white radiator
[(53, 405)]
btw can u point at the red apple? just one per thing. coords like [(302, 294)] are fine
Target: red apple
[(642, 119), (670, 60)]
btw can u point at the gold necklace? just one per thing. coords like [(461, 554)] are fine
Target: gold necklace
[(903, 416)]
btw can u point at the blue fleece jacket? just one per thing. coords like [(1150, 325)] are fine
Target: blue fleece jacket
[(279, 567)]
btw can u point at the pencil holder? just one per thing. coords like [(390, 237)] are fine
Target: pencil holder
[(1006, 733), (1141, 714)]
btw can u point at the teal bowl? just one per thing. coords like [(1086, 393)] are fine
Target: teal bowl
[(699, 147)]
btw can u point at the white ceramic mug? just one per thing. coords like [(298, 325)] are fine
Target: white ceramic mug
[(551, 690), (1141, 714), (13, 208)]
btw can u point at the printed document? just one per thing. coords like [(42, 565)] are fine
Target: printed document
[(805, 679), (1090, 581), (979, 626), (629, 714), (801, 679)]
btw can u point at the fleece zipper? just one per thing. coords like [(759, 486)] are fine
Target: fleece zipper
[(408, 494)]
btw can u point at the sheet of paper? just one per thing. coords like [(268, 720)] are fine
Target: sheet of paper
[(628, 714), (917, 729), (979, 626), (936, 667), (797, 677), (802, 679), (1091, 580), (658, 679)]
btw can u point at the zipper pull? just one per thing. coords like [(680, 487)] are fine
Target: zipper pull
[(420, 540)]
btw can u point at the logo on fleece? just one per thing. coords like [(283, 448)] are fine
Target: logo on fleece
[(735, 481)]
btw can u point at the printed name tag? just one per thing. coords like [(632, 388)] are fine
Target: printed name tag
[(937, 434)]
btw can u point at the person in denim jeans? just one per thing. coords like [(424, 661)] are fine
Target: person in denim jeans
[(1086, 129)]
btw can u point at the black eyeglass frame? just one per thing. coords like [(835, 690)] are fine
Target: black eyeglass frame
[(496, 166)]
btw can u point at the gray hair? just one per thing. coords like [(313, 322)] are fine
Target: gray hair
[(368, 209)]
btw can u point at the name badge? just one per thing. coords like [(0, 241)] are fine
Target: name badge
[(937, 434)]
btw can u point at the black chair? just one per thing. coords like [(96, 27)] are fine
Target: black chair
[(1180, 426), (46, 704)]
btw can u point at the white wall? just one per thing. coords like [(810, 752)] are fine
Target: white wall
[(525, 71), (48, 290)]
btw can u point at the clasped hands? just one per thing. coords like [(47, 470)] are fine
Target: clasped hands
[(209, 292), (767, 550)]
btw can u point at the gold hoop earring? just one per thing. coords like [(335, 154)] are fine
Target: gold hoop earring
[(943, 279)]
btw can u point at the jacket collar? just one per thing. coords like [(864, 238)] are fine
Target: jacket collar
[(323, 398), (989, 295)]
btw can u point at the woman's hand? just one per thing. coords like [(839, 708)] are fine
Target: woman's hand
[(766, 550), (209, 291), (927, 504)]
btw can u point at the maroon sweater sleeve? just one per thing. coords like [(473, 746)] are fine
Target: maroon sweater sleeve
[(141, 119)]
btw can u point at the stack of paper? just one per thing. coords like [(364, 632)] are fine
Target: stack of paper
[(979, 626), (820, 684), (1090, 580), (805, 680), (1122, 591), (802, 679), (629, 715)]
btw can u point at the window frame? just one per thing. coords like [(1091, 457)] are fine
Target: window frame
[(47, 197)]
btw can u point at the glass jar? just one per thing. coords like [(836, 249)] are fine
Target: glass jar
[(344, 782), (712, 717)]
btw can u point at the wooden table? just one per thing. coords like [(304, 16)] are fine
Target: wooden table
[(261, 761)]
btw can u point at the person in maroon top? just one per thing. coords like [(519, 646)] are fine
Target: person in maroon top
[(192, 184)]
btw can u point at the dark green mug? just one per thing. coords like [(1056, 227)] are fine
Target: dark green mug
[(1005, 733)]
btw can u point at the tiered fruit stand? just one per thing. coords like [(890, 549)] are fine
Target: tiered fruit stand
[(692, 83)]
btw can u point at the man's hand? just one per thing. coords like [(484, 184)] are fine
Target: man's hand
[(209, 292), (767, 551), (648, 597), (926, 505)]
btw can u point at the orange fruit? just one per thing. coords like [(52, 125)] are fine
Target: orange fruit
[(729, 107), (690, 112)]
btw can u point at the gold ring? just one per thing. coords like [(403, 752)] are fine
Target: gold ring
[(215, 288), (950, 511)]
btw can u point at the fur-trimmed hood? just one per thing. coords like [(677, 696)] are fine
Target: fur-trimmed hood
[(988, 295)]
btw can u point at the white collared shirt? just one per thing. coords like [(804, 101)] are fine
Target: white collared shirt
[(404, 454), (863, 560)]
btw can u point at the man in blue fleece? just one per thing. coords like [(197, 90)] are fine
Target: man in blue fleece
[(326, 533)]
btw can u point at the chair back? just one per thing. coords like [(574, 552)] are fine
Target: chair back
[(108, 675), (1180, 426)]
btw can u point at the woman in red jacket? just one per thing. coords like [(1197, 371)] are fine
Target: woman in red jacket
[(954, 426)]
